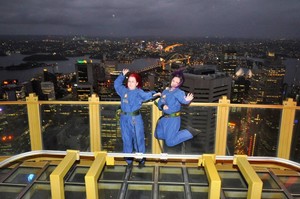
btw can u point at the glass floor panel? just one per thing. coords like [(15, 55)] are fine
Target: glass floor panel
[(4, 171), (197, 175), (75, 192), (273, 195), (113, 173), (235, 194), (38, 191), (78, 175), (171, 192), (151, 181), (268, 181), (141, 191), (232, 179), (144, 174), (109, 190), (45, 176), (292, 183), (199, 192), (170, 174), (10, 192), (23, 175)]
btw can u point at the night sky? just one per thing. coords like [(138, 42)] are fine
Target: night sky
[(274, 19)]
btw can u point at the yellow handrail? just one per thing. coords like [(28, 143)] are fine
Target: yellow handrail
[(57, 176)]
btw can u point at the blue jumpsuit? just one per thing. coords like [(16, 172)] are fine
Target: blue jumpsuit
[(168, 127), (132, 127)]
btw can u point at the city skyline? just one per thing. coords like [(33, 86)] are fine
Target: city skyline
[(276, 19)]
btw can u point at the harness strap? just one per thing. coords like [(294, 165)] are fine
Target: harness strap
[(134, 113), (176, 114)]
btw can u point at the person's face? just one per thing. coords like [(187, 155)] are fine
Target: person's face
[(175, 82), (132, 83)]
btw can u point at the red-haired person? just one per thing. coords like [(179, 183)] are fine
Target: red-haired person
[(170, 104), (131, 122)]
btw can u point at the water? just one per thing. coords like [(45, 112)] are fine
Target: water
[(292, 67), (67, 66)]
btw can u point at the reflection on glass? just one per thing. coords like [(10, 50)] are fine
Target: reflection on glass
[(113, 173), (14, 140), (65, 127), (273, 195), (78, 174), (235, 194), (75, 192), (231, 179), (38, 191), (23, 175), (111, 140), (45, 176), (197, 175), (292, 183), (253, 131), (204, 119), (109, 190), (268, 181), (9, 192), (170, 174), (139, 191), (199, 192), (4, 171), (142, 174), (171, 192)]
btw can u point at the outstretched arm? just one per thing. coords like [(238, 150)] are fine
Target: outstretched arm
[(118, 83)]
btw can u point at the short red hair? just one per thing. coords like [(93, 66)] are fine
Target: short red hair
[(137, 78)]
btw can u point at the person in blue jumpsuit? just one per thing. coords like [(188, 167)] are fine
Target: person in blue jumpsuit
[(131, 122), (170, 102)]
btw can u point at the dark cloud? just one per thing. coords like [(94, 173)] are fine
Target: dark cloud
[(228, 18)]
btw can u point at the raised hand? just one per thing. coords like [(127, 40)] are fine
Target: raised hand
[(189, 97), (125, 71)]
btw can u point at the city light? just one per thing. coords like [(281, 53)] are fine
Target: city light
[(5, 138)]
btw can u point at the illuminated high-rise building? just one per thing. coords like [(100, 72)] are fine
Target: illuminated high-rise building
[(267, 82), (88, 76), (229, 62), (207, 85)]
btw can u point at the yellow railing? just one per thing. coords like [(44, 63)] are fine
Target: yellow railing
[(286, 128)]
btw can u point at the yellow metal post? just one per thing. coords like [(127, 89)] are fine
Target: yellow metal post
[(156, 144), (93, 174), (286, 129), (57, 176), (34, 121), (222, 124), (212, 175), (254, 182), (95, 138)]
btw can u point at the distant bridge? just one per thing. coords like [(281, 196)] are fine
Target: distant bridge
[(148, 68), (169, 60)]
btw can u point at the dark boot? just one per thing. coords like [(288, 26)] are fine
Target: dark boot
[(142, 162), (194, 131)]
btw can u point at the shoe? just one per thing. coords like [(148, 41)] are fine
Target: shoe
[(142, 163), (194, 131)]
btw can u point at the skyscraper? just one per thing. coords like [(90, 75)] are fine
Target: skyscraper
[(207, 85), (267, 82), (88, 75)]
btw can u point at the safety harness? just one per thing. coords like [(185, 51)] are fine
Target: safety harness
[(134, 113), (176, 114)]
